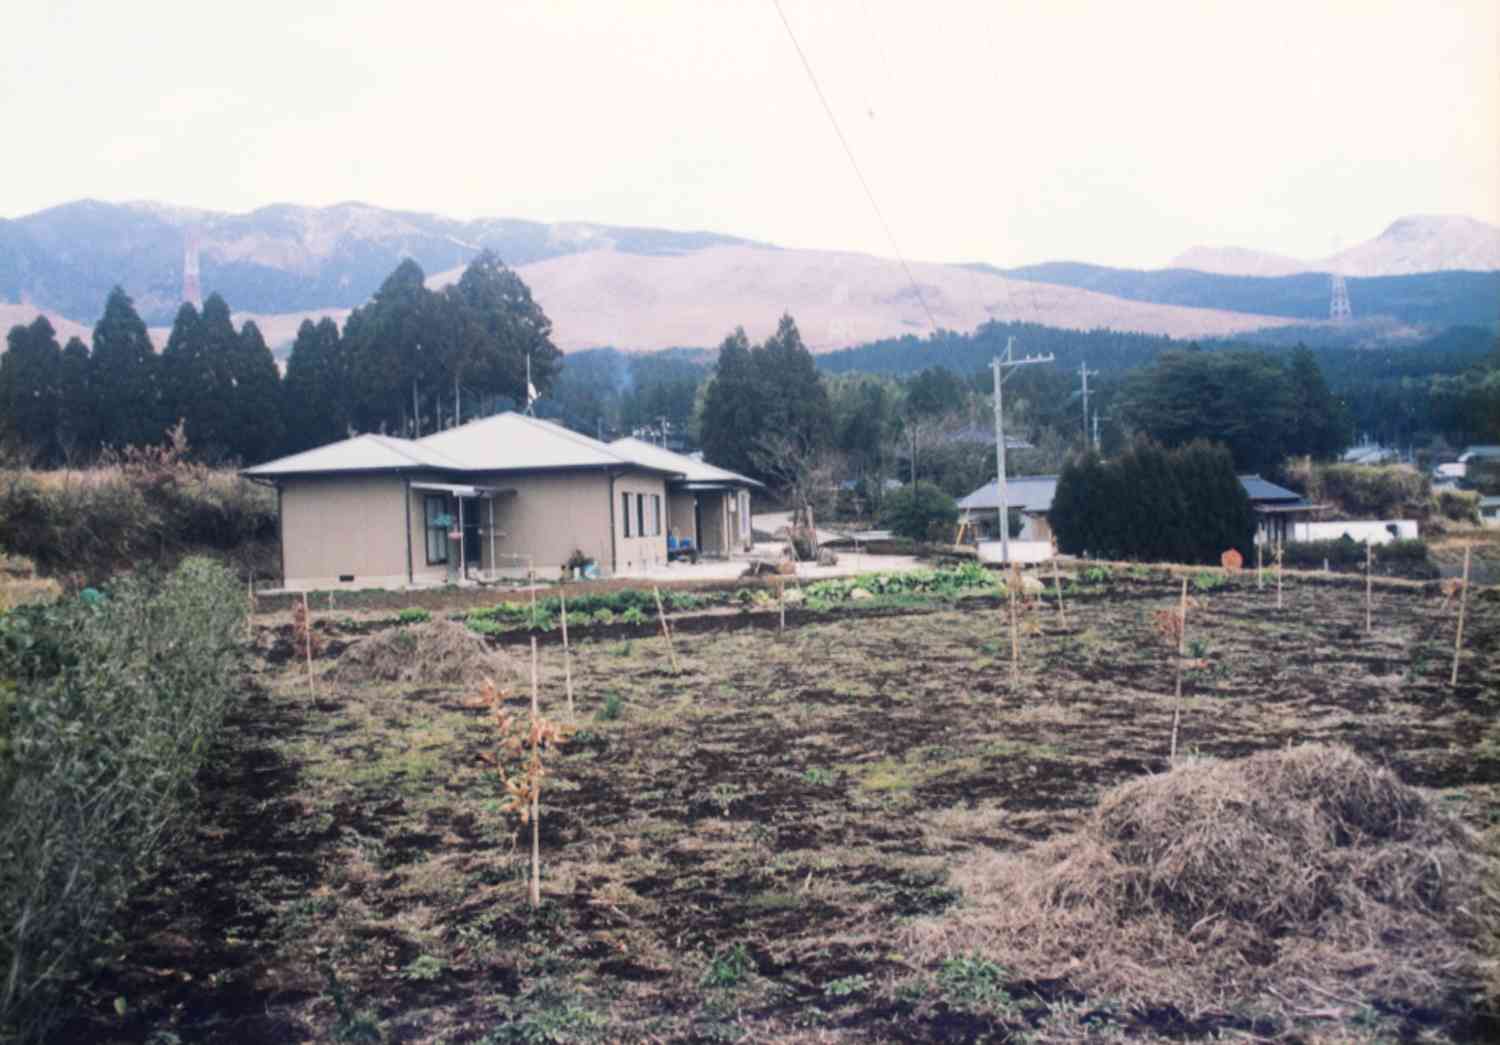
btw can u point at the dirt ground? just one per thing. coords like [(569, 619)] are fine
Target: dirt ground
[(731, 852)]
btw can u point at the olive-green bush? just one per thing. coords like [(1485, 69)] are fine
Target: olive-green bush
[(91, 525), (110, 704)]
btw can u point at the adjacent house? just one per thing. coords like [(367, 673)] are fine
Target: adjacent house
[(1489, 512), (1031, 497), (505, 495), (706, 505)]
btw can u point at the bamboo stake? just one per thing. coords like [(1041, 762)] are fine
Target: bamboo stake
[(250, 601), (536, 799), (1463, 602), (1181, 651), (1062, 613), (307, 644), (531, 585), (567, 653), (1015, 639), (781, 604), (1260, 581), (1279, 553), (1369, 590), (665, 630)]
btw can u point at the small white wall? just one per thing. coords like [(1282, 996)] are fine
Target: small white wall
[(1020, 551), (1370, 532)]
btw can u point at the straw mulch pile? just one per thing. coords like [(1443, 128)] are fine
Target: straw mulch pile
[(1306, 881), (435, 653)]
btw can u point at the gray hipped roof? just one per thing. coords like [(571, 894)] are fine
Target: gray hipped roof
[(508, 442), (1033, 493), (690, 468)]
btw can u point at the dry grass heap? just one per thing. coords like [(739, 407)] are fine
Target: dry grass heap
[(436, 653), (1303, 880)]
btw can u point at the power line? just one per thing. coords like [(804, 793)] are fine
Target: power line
[(849, 152)]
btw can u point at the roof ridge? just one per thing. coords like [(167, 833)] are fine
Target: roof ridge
[(586, 441)]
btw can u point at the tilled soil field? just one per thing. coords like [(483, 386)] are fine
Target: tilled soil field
[(732, 852)]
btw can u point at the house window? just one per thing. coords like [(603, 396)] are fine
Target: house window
[(435, 513), (744, 506), (656, 515), (640, 515), (625, 501)]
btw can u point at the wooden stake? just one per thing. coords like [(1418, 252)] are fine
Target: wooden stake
[(1062, 614), (536, 800), (531, 585), (307, 624), (1463, 602), (1015, 638), (1260, 582), (250, 601), (1181, 652), (567, 653), (665, 630), (1369, 589), (1279, 553), (781, 604)]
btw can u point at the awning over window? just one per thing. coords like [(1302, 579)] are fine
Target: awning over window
[(458, 490)]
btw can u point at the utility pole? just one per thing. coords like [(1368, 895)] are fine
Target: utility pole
[(999, 367), (1096, 430), (1085, 373)]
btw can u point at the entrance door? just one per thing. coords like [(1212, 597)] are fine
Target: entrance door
[(472, 523)]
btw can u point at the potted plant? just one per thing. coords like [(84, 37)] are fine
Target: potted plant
[(578, 564)]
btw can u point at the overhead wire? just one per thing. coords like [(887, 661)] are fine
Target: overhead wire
[(853, 162)]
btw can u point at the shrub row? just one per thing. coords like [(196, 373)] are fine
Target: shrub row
[(1408, 557), (108, 704), (91, 525)]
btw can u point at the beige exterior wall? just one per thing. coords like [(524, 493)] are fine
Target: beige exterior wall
[(359, 527), (544, 518), (343, 527), (636, 553)]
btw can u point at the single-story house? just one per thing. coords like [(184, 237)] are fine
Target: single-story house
[(1031, 496), (504, 495), (707, 505)]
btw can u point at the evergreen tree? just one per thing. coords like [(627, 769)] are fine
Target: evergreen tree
[(124, 377), (31, 391), (316, 405), (77, 425), (197, 384), (493, 327), (1321, 425), (395, 349), (794, 400), (254, 425), (731, 407)]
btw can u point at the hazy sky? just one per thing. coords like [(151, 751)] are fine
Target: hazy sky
[(1117, 132)]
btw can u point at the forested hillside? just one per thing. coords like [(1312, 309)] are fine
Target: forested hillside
[(1432, 299)]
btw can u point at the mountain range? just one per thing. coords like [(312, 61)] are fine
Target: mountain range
[(643, 289)]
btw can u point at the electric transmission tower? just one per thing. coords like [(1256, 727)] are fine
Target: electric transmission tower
[(192, 288), (1338, 307)]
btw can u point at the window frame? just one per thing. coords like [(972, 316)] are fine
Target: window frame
[(640, 514), (656, 515), (625, 515), (428, 517)]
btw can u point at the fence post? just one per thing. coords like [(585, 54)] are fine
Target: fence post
[(562, 594), (1463, 602)]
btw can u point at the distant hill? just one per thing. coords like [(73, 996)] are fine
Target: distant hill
[(278, 259), (1429, 299), (645, 289), (1417, 243)]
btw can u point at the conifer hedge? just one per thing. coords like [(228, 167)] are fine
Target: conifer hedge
[(1153, 504)]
